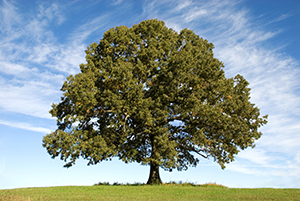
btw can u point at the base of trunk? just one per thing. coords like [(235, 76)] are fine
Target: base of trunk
[(154, 177)]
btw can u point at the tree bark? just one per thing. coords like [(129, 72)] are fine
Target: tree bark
[(154, 177)]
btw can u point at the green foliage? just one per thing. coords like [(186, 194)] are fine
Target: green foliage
[(150, 95), (102, 184)]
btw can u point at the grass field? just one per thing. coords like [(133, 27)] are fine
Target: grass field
[(146, 192)]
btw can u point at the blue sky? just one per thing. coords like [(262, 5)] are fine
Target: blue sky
[(42, 42)]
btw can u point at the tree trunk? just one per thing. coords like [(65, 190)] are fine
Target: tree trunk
[(154, 177)]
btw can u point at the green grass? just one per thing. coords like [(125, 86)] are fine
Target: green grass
[(146, 192)]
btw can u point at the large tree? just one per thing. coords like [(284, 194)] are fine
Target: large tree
[(150, 95)]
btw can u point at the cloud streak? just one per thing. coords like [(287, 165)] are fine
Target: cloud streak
[(33, 64), (26, 126)]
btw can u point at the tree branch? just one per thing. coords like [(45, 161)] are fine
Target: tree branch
[(173, 118), (124, 129), (198, 152), (189, 148)]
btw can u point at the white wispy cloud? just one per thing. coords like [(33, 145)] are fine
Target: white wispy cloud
[(13, 69), (195, 14), (8, 13), (285, 169), (26, 126), (257, 156), (30, 53), (182, 5), (52, 12), (30, 98), (117, 2), (281, 18), (89, 26)]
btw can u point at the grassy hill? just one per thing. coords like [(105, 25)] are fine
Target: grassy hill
[(146, 192)]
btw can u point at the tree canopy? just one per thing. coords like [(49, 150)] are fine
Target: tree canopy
[(150, 95)]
